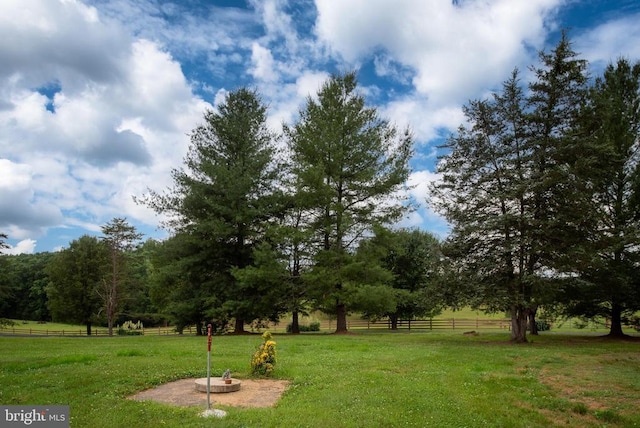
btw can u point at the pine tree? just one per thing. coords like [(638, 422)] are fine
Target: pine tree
[(512, 187), (349, 164), (610, 286), (222, 204)]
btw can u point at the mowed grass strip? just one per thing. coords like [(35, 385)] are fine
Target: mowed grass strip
[(359, 380)]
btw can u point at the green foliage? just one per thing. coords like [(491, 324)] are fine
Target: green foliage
[(542, 325), (75, 274), (5, 322), (411, 261), (348, 166), (512, 192), (3, 244), (634, 321), (219, 207), (23, 282), (608, 268), (313, 326), (263, 362)]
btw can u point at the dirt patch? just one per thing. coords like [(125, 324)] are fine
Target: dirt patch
[(252, 393)]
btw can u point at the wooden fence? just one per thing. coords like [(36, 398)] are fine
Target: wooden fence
[(325, 326), (436, 324), (18, 331)]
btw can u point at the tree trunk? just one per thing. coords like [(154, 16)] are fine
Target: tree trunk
[(341, 318), (533, 327), (113, 294), (518, 324), (394, 321), (295, 324), (88, 324), (239, 326), (616, 321)]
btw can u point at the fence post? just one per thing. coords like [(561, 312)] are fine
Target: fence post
[(453, 323)]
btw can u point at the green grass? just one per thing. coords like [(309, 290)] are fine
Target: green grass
[(441, 379)]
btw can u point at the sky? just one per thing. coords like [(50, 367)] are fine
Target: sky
[(97, 97)]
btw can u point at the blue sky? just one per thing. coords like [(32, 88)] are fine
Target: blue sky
[(97, 97)]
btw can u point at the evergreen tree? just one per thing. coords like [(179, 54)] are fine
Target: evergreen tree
[(349, 164), (484, 194), (183, 284), (3, 244), (610, 285), (223, 201), (512, 189)]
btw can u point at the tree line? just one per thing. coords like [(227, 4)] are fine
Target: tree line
[(540, 186)]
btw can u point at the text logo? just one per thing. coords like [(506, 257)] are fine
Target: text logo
[(34, 416)]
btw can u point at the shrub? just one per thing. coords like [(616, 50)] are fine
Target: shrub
[(543, 325), (264, 360), (4, 322), (314, 326)]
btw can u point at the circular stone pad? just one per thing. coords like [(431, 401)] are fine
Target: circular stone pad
[(218, 385)]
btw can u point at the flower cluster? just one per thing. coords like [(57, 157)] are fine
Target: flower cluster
[(131, 328), (264, 359)]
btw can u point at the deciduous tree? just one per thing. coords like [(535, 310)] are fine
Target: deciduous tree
[(412, 257), (75, 274), (120, 238)]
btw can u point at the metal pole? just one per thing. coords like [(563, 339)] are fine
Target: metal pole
[(209, 367)]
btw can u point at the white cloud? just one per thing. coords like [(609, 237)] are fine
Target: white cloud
[(423, 117), (112, 120), (419, 182), (23, 211), (309, 83), (606, 43), (26, 246), (263, 64), (453, 48)]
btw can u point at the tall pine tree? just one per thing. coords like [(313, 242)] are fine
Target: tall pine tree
[(611, 284), (222, 203), (512, 189), (349, 164)]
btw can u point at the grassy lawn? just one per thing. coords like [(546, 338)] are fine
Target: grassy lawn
[(441, 379)]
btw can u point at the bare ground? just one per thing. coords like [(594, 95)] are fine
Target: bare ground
[(252, 393)]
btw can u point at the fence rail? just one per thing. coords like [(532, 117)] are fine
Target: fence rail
[(435, 324), (162, 331), (325, 325)]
